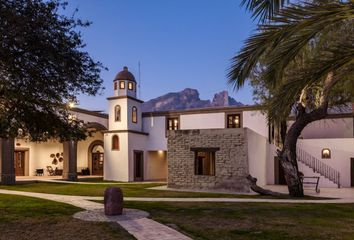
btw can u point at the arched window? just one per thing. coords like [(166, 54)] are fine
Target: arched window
[(134, 115), (131, 86), (117, 113), (115, 85), (115, 142)]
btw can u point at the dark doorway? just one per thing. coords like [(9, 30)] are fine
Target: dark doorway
[(278, 172), (138, 165), (352, 172), (97, 163), (20, 163)]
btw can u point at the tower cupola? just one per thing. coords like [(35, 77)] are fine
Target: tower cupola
[(125, 84)]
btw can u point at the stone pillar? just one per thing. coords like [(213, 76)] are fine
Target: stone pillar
[(70, 160), (8, 176)]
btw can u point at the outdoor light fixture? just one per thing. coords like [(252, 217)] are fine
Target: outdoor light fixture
[(326, 153), (71, 104)]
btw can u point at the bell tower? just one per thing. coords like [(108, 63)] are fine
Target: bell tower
[(124, 84), (124, 128), (124, 107)]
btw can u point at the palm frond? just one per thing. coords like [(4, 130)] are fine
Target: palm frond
[(263, 9), (338, 58), (284, 38)]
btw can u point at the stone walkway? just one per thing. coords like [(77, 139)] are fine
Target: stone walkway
[(140, 227)]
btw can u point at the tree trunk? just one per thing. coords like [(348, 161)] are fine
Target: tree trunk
[(288, 154), (8, 176), (253, 185)]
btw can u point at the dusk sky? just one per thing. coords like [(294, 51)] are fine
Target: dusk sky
[(180, 44)]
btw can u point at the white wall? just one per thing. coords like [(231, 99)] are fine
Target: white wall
[(156, 127), (156, 168), (328, 128), (82, 151), (90, 118), (137, 142), (123, 123), (258, 148), (342, 149), (126, 106), (116, 162), (39, 153), (202, 121), (256, 121), (134, 126)]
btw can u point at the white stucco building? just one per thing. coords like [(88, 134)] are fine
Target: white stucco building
[(185, 147)]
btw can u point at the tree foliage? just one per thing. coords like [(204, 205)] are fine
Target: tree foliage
[(301, 60), (43, 66), (296, 50)]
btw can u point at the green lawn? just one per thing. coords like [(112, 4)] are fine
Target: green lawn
[(32, 218), (248, 221), (129, 190), (95, 180)]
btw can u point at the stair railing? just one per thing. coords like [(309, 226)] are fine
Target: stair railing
[(318, 166)]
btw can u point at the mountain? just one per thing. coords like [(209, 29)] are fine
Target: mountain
[(187, 99)]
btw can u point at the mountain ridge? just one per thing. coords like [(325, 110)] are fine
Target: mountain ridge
[(187, 99)]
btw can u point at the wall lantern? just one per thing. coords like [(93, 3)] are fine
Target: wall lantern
[(326, 153)]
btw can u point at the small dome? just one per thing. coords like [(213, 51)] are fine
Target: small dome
[(125, 75)]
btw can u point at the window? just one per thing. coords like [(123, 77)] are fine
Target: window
[(115, 142), (130, 86), (117, 113), (115, 85), (121, 85), (233, 121), (172, 124), (326, 153), (134, 115), (204, 163)]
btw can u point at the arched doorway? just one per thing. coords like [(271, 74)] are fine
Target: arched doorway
[(96, 155)]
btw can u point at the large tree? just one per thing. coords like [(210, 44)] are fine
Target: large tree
[(304, 50), (43, 67)]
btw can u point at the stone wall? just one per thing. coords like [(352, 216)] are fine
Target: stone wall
[(231, 164)]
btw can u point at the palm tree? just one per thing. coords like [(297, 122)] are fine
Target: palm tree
[(264, 9), (306, 50)]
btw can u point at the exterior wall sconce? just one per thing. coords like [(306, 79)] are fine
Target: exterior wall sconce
[(326, 153)]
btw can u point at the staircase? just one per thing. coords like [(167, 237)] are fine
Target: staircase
[(318, 167)]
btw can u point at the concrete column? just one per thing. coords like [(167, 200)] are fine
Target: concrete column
[(70, 160), (8, 176)]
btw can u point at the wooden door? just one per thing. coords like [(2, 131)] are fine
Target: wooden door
[(20, 163), (138, 166), (97, 163), (352, 172)]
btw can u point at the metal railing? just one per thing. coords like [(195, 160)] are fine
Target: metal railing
[(318, 167)]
